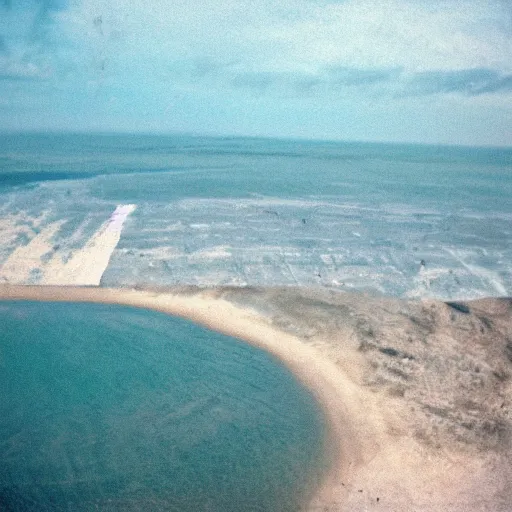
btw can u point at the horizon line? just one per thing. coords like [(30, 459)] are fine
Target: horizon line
[(178, 133)]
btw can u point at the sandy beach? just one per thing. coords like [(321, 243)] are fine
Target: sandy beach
[(417, 394)]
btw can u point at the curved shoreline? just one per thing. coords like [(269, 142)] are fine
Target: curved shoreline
[(417, 395), (318, 374)]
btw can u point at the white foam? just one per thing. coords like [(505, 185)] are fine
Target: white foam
[(484, 274)]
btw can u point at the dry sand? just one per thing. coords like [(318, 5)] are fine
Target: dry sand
[(84, 267), (417, 393)]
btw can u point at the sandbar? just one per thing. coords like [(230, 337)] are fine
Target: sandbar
[(417, 394), (45, 261)]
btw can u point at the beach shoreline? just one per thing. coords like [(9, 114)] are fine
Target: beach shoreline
[(317, 375), (374, 460)]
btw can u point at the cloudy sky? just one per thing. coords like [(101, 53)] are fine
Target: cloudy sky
[(436, 71)]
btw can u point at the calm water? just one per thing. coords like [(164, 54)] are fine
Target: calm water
[(402, 220), (113, 408)]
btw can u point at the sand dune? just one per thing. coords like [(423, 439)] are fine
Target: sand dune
[(417, 393)]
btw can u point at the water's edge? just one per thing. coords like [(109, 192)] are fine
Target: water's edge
[(202, 314)]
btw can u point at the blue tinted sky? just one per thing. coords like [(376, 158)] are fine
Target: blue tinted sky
[(437, 71)]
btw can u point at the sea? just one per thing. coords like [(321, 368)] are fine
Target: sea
[(112, 408), (118, 409), (408, 221)]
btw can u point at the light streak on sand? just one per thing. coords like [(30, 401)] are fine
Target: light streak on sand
[(27, 258), (84, 267), (87, 265)]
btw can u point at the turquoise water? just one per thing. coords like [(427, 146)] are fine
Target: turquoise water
[(113, 408), (246, 211), (164, 168)]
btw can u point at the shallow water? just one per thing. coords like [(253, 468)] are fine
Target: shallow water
[(241, 211), (115, 408)]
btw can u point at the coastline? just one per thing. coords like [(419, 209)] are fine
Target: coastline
[(318, 375), (375, 462)]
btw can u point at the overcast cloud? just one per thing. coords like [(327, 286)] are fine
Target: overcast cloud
[(386, 70)]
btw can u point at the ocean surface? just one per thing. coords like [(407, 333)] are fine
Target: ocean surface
[(401, 220), (114, 408)]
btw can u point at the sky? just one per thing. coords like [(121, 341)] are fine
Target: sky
[(437, 71)]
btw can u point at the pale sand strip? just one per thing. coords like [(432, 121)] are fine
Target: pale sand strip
[(87, 265), (27, 258)]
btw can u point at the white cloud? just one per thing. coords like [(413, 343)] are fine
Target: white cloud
[(296, 35), (393, 33), (191, 64)]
